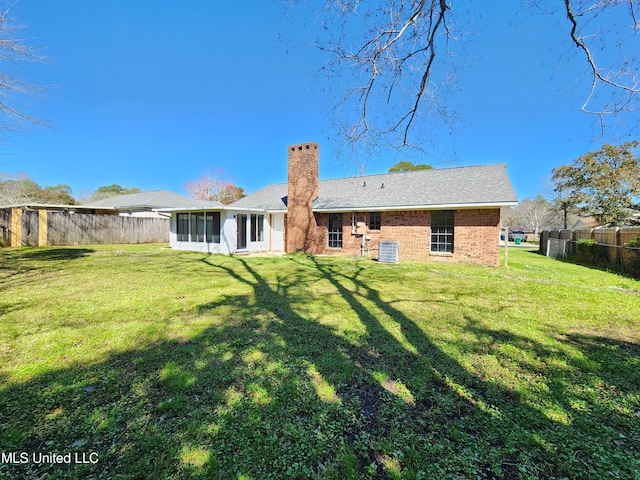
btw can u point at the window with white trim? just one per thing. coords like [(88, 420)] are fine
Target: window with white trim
[(334, 229), (375, 220), (442, 223), (198, 227), (183, 227), (257, 228)]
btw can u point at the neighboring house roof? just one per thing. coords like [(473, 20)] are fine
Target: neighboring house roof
[(154, 199), (52, 206), (585, 223), (477, 186)]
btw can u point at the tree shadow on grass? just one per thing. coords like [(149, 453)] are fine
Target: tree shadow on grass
[(22, 261), (274, 388), (47, 254)]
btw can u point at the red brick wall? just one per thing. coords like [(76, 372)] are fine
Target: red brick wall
[(476, 234), (476, 231), (301, 229)]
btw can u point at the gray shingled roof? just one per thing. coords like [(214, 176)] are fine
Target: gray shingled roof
[(463, 186), (267, 198), (154, 199)]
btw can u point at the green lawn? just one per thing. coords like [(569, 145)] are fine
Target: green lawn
[(167, 365)]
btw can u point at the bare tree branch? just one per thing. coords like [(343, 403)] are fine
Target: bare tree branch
[(13, 51), (613, 79), (392, 64)]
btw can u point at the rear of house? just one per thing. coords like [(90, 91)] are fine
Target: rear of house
[(445, 214)]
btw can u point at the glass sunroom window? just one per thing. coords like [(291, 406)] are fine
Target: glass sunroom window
[(257, 228), (198, 227), (183, 227), (212, 227)]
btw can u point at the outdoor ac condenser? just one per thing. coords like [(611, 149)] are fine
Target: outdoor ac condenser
[(388, 252)]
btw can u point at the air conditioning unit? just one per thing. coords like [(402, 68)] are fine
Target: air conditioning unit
[(388, 252)]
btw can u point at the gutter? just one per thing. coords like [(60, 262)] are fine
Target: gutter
[(396, 208), (224, 208)]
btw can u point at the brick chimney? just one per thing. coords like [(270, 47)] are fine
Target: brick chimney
[(301, 228)]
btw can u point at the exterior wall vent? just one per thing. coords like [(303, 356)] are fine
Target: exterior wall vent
[(388, 252)]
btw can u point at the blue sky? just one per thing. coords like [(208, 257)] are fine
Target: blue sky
[(150, 94)]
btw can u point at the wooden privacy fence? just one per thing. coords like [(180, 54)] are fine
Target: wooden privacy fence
[(49, 227), (611, 245)]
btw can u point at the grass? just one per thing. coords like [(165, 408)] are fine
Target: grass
[(180, 365)]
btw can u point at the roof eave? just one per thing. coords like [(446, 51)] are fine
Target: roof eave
[(225, 208), (396, 208)]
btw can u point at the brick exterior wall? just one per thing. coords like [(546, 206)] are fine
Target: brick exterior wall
[(301, 230), (476, 236), (476, 231)]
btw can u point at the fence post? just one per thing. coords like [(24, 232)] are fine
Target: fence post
[(42, 227), (16, 227), (544, 236), (619, 248), (506, 247)]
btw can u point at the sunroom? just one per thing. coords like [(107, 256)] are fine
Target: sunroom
[(224, 230)]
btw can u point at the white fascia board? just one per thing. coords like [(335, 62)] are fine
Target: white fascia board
[(444, 206), (240, 210), (208, 209)]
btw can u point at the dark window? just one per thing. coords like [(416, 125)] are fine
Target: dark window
[(257, 228), (192, 227), (183, 227), (442, 231), (213, 227), (375, 220), (199, 230), (334, 228)]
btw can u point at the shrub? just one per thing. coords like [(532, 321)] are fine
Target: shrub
[(587, 250), (635, 243), (633, 265)]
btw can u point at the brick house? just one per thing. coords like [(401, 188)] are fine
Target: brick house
[(450, 214)]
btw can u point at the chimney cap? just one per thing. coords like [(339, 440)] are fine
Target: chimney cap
[(305, 146)]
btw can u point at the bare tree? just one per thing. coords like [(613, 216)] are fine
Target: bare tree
[(212, 187), (536, 213), (13, 50), (15, 189), (20, 188), (397, 60)]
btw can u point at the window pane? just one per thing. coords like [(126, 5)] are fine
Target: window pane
[(199, 227), (442, 225), (213, 227), (216, 226), (375, 220), (260, 228), (334, 228), (254, 228), (193, 227), (183, 227)]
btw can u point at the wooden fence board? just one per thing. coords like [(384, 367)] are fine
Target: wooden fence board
[(30, 228), (612, 241), (67, 228)]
